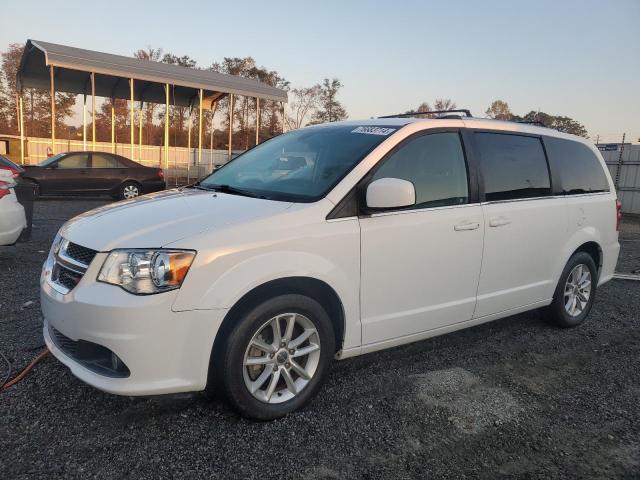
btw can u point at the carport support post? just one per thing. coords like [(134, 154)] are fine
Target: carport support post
[(166, 127), (21, 130), (283, 119), (213, 113), (84, 122), (200, 133), (257, 120), (230, 123), (93, 111), (140, 132), (133, 118), (53, 112), (113, 125), (189, 143)]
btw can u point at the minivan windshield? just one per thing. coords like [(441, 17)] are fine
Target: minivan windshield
[(299, 166)]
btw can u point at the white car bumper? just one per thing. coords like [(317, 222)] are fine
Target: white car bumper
[(163, 351), (12, 219)]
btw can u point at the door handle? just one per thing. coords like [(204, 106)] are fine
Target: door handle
[(499, 222), (466, 226)]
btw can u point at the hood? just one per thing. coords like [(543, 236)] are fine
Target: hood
[(155, 220)]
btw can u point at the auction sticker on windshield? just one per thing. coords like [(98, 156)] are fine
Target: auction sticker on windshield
[(374, 130)]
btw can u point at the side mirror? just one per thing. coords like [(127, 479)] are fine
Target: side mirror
[(390, 193)]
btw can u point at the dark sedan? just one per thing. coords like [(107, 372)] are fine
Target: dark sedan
[(94, 172)]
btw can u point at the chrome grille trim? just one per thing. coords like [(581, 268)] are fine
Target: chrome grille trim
[(66, 266)]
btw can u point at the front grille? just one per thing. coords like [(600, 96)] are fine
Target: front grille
[(65, 277), (69, 264), (80, 254)]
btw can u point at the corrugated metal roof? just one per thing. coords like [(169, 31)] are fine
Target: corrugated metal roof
[(74, 66)]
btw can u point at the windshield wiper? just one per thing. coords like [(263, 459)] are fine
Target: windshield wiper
[(197, 186), (234, 191), (200, 187)]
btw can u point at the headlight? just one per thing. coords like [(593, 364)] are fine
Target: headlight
[(146, 271)]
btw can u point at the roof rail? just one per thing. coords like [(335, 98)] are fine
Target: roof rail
[(532, 122), (430, 112)]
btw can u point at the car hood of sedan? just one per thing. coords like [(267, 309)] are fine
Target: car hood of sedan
[(155, 220)]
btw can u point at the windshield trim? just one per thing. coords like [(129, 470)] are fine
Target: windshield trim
[(297, 198)]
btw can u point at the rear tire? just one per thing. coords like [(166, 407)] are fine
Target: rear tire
[(129, 190), (575, 292), (266, 377)]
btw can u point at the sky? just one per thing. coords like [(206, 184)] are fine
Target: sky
[(564, 57)]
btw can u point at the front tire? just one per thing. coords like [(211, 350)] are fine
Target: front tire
[(575, 292), (274, 360)]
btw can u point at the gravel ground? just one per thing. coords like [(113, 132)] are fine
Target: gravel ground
[(512, 398)]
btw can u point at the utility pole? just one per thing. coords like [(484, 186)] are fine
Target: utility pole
[(619, 167)]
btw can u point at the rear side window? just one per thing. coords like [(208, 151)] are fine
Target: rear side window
[(435, 164), (101, 160), (577, 167), (513, 166)]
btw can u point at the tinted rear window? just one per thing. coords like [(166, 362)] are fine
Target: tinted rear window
[(578, 169), (513, 166), (102, 160)]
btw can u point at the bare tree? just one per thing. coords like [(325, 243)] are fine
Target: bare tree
[(439, 104), (302, 103), (443, 104)]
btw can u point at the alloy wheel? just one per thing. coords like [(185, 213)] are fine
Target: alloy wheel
[(281, 358), (577, 290)]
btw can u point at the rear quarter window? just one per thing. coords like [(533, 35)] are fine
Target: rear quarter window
[(576, 166)]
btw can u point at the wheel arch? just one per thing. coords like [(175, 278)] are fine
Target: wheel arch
[(594, 250), (311, 287)]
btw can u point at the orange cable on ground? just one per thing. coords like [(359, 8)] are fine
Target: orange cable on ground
[(26, 370)]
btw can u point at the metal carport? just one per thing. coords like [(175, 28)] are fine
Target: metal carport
[(55, 67)]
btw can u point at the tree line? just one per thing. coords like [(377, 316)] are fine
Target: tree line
[(315, 104), (499, 110)]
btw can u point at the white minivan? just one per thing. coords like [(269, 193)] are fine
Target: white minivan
[(328, 242)]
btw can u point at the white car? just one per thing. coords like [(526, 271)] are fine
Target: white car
[(12, 217), (391, 231)]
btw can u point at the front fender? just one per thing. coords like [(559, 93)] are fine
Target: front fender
[(328, 251)]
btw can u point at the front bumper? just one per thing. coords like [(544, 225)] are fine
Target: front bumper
[(165, 351)]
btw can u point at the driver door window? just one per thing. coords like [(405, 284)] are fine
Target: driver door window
[(435, 165), (78, 160)]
